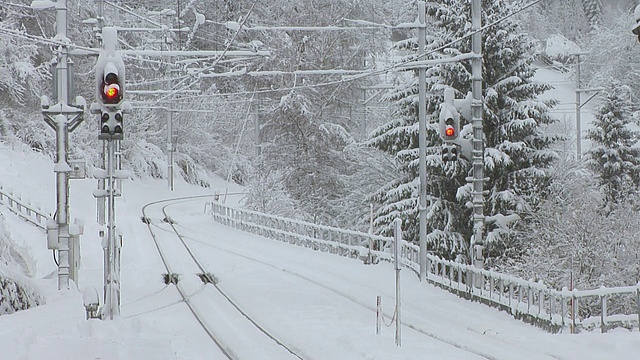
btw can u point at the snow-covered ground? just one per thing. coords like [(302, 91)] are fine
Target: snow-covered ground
[(320, 304)]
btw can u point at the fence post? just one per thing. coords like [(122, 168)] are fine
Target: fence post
[(540, 301), (451, 272), (638, 301), (510, 294), (459, 275), (552, 306), (574, 307), (563, 306), (378, 313), (519, 296), (492, 283), (603, 314)]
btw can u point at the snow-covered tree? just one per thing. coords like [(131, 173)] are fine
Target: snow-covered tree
[(516, 150), (593, 11), (267, 194), (304, 128), (613, 155), (569, 241), (16, 292)]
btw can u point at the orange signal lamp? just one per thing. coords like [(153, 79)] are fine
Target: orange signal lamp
[(111, 92), (450, 131)]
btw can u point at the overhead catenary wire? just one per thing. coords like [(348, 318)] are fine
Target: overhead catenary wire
[(387, 69), (235, 152), (295, 87), (226, 49)]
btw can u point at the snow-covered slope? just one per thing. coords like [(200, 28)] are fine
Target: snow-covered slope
[(319, 303)]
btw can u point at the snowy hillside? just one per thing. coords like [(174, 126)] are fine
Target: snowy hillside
[(321, 305)]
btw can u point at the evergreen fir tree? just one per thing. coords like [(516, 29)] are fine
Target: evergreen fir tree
[(593, 12), (613, 155), (516, 148)]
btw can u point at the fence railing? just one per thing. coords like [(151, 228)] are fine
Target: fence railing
[(533, 302), (24, 209)]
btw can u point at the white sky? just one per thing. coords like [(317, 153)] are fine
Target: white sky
[(320, 304)]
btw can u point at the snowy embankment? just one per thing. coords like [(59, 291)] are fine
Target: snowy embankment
[(329, 319), (16, 261), (320, 303)]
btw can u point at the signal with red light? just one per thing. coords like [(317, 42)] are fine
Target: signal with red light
[(110, 85)]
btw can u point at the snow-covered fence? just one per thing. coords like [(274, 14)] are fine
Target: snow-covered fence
[(533, 302), (318, 237), (24, 209)]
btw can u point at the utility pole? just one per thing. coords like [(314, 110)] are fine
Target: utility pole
[(422, 141), (167, 40), (255, 104), (397, 257), (101, 202), (63, 118), (477, 244), (579, 104)]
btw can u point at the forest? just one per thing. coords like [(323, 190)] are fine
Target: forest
[(324, 127)]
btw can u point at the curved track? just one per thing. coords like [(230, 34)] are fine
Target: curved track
[(351, 299), (207, 279), (410, 325), (246, 256)]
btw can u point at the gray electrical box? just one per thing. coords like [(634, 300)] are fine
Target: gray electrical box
[(78, 167)]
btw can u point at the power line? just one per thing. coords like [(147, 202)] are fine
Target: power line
[(226, 49), (344, 80), (392, 67)]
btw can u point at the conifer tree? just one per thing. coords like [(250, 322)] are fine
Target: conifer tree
[(516, 148), (593, 12), (613, 155)]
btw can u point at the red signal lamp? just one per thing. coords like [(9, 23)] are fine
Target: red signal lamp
[(112, 92), (450, 131)]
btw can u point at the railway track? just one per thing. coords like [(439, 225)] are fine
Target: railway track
[(408, 324), (165, 241), (327, 288), (179, 231)]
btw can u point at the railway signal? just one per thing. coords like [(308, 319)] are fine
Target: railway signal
[(110, 95), (110, 89), (449, 124), (449, 118), (111, 85), (111, 105)]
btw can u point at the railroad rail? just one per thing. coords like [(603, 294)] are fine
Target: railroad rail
[(207, 278)]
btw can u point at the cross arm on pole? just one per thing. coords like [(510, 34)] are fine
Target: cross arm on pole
[(595, 91)]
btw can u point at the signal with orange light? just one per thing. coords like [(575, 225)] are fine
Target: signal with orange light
[(111, 87)]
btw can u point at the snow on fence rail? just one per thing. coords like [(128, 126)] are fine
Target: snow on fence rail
[(532, 302), (24, 209)]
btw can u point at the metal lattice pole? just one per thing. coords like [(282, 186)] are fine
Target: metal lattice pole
[(112, 255), (478, 135), (63, 118), (422, 142)]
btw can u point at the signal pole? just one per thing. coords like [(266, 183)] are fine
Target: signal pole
[(476, 243), (167, 39), (63, 118), (111, 105), (422, 142)]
